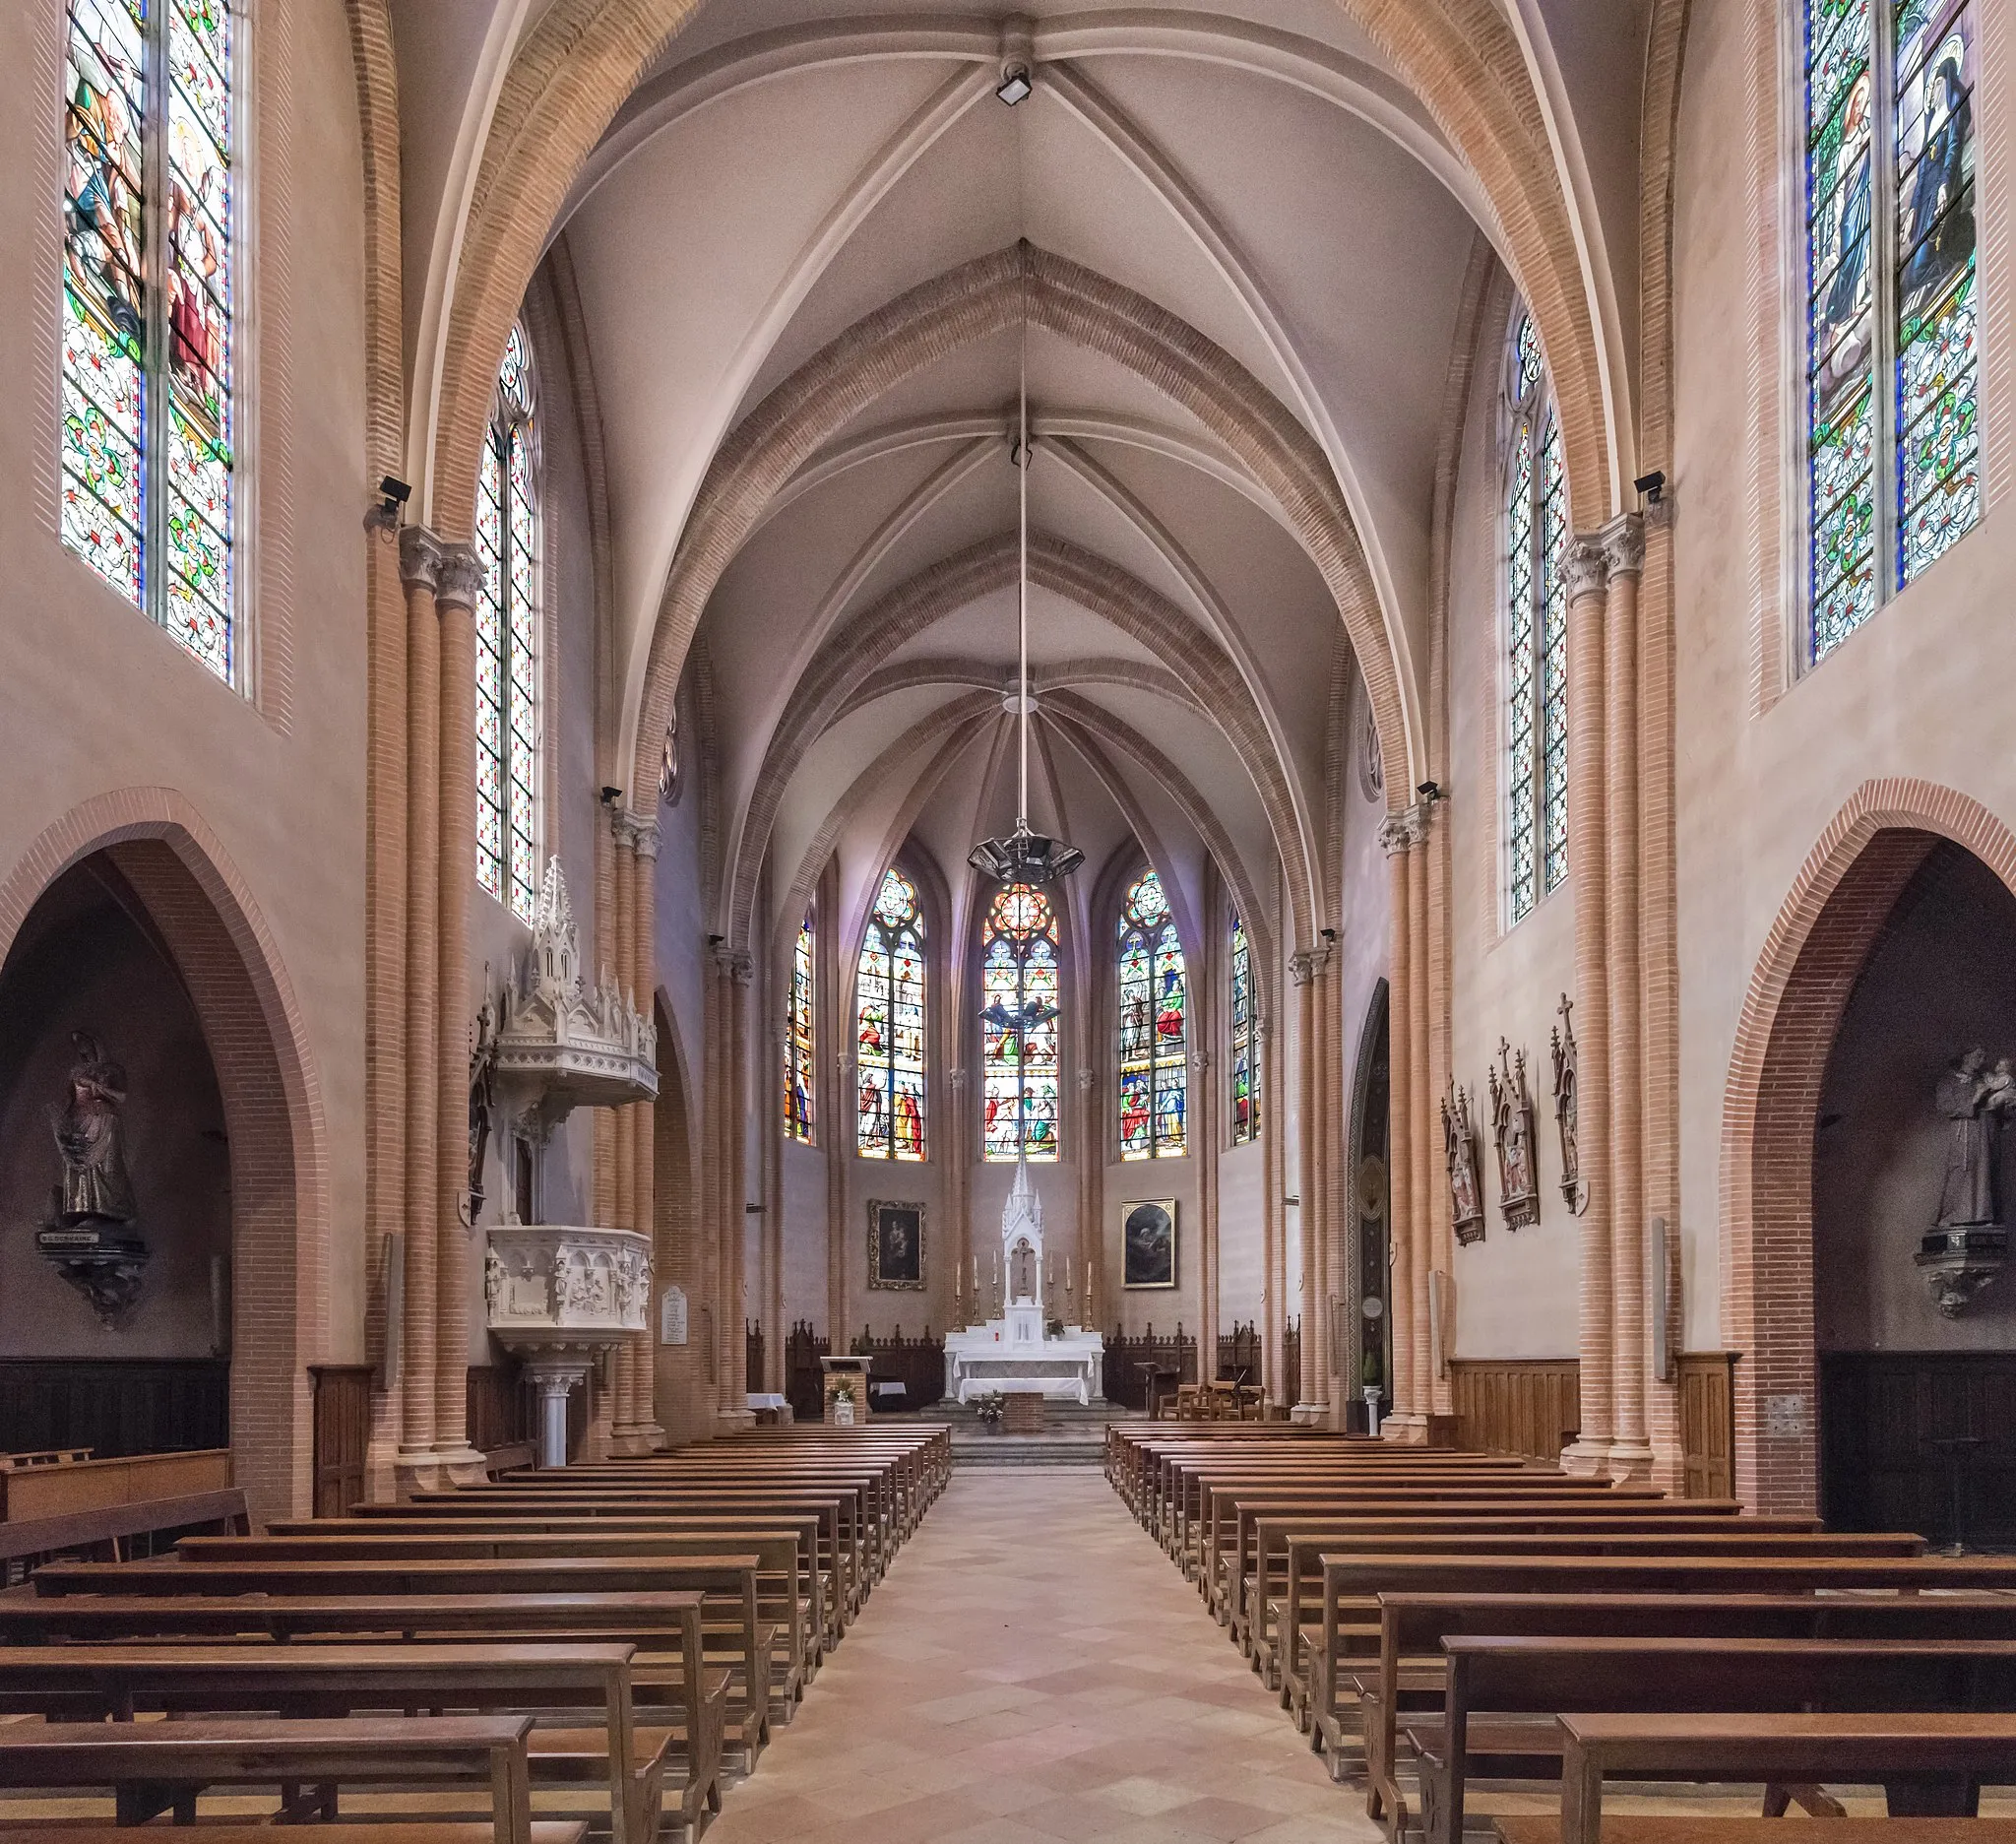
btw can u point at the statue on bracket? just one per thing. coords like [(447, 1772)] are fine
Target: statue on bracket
[(1968, 1246), (89, 1237), (1512, 1131), (1465, 1185), (1567, 1108)]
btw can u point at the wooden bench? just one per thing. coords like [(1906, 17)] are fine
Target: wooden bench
[(119, 1682), (153, 1767), (1918, 1758), (108, 1530), (1720, 1829), (1400, 1672), (1503, 1693)]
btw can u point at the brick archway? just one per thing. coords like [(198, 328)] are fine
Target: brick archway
[(272, 1097), (1816, 949)]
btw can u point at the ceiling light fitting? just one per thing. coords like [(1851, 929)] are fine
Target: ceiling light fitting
[(1014, 85), (1023, 855)]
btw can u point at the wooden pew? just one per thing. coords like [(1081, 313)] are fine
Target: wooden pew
[(120, 1682), (728, 1579), (664, 1628), (1355, 1582), (1308, 1557), (1860, 1750), (149, 1766), (107, 1531), (1719, 1828), (1503, 1693), (1398, 1675)]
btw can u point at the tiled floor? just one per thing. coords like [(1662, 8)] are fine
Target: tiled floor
[(1033, 1669)]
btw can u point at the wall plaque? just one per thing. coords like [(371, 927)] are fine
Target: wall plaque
[(671, 1317)]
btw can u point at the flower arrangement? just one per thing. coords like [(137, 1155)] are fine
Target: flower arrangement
[(988, 1408)]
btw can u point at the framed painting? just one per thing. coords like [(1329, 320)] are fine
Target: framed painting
[(1147, 1240), (896, 1245)]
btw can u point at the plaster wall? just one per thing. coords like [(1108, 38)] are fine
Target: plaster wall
[(117, 704), (1766, 759), (803, 1172), (1242, 1228), (1515, 1290)]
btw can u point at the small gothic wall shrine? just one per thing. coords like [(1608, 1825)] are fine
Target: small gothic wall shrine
[(91, 1237), (1512, 1134), (1459, 1146)]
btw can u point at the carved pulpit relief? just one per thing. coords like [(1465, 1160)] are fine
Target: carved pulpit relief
[(1512, 1133), (1567, 1107), (1459, 1147)]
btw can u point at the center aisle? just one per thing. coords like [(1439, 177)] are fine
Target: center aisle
[(1032, 1669)]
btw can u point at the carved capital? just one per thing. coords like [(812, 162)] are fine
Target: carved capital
[(419, 558), (1308, 964), (644, 839), (1588, 567), (1084, 1081), (462, 576), (1403, 829), (738, 965), (1623, 545)]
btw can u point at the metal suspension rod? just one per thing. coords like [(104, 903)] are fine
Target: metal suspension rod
[(1022, 591)]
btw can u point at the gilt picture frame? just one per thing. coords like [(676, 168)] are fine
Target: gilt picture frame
[(1148, 1244), (896, 1245)]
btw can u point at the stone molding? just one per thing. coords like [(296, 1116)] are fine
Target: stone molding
[(460, 577), (1623, 545), (1403, 828), (420, 556), (1588, 568)]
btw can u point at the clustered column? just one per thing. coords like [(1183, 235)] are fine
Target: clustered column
[(633, 1190), (1309, 972), (729, 1060), (1414, 1196)]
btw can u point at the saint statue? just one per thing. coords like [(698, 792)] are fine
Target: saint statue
[(1974, 1098), (95, 1187)]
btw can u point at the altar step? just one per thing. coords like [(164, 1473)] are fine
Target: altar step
[(1074, 1436)]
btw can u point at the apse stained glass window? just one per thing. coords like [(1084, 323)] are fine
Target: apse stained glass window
[(1243, 1041), (149, 462), (798, 1040), (1155, 1063), (508, 640), (889, 1056), (1536, 630), (1892, 300), (1021, 1015)]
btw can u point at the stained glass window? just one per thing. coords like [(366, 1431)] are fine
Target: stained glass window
[(507, 620), (148, 438), (798, 1040), (1243, 1041), (1021, 1015), (1154, 1059), (1892, 386), (888, 999), (1536, 630)]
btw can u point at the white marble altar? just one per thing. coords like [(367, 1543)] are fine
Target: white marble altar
[(1014, 1353)]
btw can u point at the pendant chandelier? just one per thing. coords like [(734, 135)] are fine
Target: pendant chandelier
[(1023, 855)]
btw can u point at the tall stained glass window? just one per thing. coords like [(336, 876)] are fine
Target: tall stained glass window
[(1243, 1041), (799, 1042), (1020, 1041), (1893, 316), (1155, 1061), (508, 640), (890, 1026), (1535, 629), (148, 414)]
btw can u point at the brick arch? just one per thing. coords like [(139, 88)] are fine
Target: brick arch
[(1816, 949), (271, 1096), (584, 57)]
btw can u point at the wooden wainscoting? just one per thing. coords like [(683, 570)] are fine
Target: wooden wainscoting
[(1881, 1414), (115, 1407), (1708, 1406), (1516, 1405), (343, 1433)]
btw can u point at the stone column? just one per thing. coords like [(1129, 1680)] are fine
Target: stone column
[(1306, 970), (461, 582), (623, 1381), (1273, 1216), (1205, 1132), (1407, 1217), (1630, 1457), (734, 971), (1588, 840), (419, 560), (645, 844), (636, 1428)]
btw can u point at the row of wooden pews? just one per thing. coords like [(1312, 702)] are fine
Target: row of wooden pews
[(1433, 1620), (601, 1650)]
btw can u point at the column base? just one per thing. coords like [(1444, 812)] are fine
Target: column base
[(734, 1420), (1630, 1465), (463, 1465), (628, 1441), (1586, 1459), (1310, 1415), (1405, 1429)]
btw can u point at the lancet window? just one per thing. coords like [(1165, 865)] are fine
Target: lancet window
[(1893, 315), (1155, 1066), (148, 459), (507, 622), (1021, 1020), (800, 1041), (1535, 629), (1242, 1045), (890, 1025)]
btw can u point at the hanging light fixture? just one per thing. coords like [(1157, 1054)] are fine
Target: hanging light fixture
[(1023, 855)]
